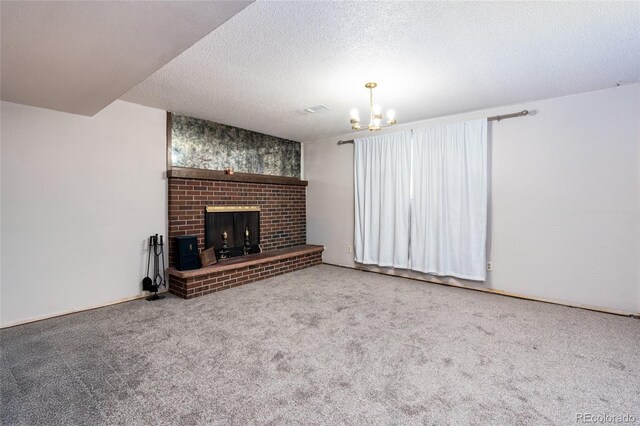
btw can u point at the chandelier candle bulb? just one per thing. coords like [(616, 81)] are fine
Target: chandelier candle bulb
[(391, 117)]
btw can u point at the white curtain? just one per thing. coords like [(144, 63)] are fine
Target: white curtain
[(449, 207), (382, 205), (421, 200)]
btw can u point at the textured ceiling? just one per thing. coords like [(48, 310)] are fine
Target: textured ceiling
[(79, 56), (266, 64)]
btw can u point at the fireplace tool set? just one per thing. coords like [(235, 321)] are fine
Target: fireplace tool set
[(148, 284)]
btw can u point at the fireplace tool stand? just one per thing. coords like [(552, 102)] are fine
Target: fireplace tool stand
[(157, 245)]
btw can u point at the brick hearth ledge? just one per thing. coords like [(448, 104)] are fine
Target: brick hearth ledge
[(242, 270)]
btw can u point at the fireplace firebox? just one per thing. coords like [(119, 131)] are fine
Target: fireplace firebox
[(232, 230)]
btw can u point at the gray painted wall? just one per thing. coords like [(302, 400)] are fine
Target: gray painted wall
[(80, 196)]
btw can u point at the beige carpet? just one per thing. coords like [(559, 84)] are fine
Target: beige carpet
[(325, 345)]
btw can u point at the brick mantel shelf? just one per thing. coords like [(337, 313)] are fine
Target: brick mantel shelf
[(188, 173)]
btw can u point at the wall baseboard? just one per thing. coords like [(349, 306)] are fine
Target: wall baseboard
[(74, 311), (501, 293), (485, 290)]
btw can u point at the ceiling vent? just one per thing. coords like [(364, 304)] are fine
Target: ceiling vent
[(316, 108)]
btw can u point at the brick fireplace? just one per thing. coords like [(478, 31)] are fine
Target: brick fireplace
[(282, 203)]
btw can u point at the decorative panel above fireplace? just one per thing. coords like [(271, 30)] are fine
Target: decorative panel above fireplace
[(203, 144), (232, 230)]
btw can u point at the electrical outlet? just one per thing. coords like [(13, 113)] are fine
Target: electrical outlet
[(349, 249), (489, 266)]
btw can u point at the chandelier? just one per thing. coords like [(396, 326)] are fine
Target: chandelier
[(375, 114)]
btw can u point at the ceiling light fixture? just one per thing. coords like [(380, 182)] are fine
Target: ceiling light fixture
[(375, 114)]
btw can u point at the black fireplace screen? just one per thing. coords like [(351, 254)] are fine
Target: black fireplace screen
[(240, 225)]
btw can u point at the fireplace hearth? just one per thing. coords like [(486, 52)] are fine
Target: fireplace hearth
[(232, 230)]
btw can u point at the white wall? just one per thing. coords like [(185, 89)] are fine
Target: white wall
[(565, 200), (80, 195)]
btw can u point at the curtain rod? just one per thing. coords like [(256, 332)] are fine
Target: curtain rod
[(492, 118)]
